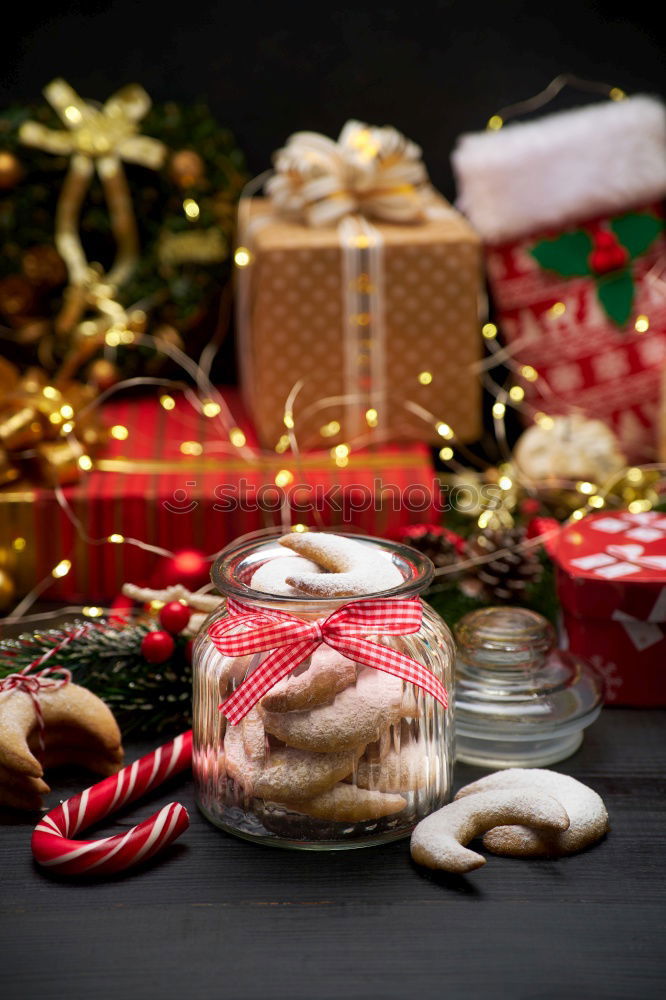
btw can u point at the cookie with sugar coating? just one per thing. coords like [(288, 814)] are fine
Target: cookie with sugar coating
[(587, 814), (357, 716), (271, 577), (352, 568), (403, 770), (349, 804), (439, 840), (328, 673), (285, 773)]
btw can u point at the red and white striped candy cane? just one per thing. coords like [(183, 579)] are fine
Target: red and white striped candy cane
[(53, 849)]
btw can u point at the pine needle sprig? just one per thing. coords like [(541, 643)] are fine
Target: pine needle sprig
[(145, 698)]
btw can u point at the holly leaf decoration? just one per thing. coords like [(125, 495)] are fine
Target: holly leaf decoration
[(616, 294), (567, 254), (636, 231)]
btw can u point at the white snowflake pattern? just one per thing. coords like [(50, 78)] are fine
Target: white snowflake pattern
[(611, 365), (608, 671), (652, 351), (566, 378)]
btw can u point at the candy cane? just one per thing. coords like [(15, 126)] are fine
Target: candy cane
[(52, 848)]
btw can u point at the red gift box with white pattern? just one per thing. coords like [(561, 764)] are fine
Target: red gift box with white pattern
[(611, 582), (153, 486)]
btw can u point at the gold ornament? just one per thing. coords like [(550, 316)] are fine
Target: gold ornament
[(97, 139), (186, 168), (46, 422), (7, 590), (11, 170), (569, 448)]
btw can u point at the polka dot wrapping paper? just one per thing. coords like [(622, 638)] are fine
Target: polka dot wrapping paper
[(298, 310)]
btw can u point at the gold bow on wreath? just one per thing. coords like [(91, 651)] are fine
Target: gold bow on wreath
[(374, 171), (46, 431), (97, 138)]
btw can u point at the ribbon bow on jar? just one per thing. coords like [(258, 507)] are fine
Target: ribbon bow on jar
[(291, 640), (376, 172)]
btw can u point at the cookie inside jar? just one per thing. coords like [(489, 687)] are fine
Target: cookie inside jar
[(328, 742)]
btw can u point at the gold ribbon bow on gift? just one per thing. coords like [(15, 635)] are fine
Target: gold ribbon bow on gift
[(45, 429), (97, 138), (376, 172)]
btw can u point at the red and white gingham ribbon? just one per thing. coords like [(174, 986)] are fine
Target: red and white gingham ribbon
[(291, 640)]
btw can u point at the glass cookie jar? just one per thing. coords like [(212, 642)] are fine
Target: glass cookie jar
[(369, 756)]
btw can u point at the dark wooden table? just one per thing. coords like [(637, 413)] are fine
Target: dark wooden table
[(217, 917)]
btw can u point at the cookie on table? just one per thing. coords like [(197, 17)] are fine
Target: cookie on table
[(588, 817)]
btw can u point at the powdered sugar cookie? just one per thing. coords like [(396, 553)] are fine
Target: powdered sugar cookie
[(438, 840), (286, 773), (402, 770), (352, 568), (271, 578), (328, 673), (348, 804), (358, 716), (587, 814)]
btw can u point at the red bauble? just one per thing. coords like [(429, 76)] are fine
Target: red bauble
[(188, 567), (174, 616), (157, 647)]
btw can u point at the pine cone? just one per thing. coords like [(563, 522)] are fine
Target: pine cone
[(433, 541), (506, 577)]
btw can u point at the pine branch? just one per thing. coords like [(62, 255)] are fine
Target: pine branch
[(145, 698)]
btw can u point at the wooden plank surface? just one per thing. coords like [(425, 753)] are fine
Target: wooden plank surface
[(218, 917)]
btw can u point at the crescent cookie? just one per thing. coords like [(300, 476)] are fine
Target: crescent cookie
[(21, 791), (348, 804), (439, 840), (358, 716), (587, 814), (329, 673), (402, 770), (351, 568), (286, 773), (73, 708), (271, 576)]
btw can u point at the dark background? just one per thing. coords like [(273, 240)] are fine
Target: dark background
[(433, 68)]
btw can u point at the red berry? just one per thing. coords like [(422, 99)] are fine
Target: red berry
[(603, 240), (619, 257), (157, 647), (174, 616), (600, 261)]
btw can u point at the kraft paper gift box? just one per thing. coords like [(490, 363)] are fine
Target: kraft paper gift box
[(373, 319)]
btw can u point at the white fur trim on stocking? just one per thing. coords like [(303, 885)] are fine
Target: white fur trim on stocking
[(563, 168)]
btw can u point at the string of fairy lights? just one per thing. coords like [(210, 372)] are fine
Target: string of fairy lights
[(209, 402), (124, 329)]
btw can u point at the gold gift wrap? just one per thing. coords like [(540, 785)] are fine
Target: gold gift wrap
[(305, 314)]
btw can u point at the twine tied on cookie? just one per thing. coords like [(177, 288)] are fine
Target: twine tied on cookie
[(290, 641), (32, 684), (47, 678)]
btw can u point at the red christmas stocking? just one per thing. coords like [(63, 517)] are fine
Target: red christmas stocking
[(570, 209)]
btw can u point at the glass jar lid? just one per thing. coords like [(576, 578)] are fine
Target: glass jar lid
[(518, 699)]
